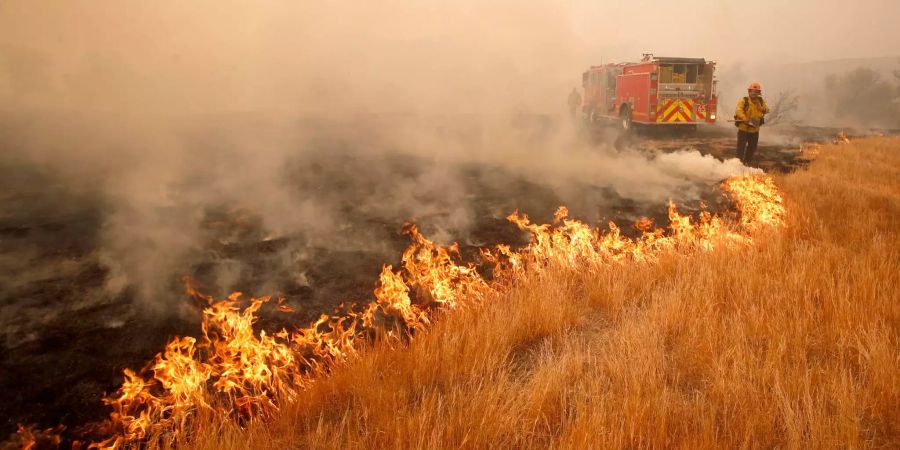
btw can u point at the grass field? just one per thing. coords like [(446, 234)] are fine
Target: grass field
[(791, 342)]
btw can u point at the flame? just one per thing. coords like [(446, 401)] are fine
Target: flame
[(571, 243), (233, 372), (758, 201), (28, 438), (841, 138)]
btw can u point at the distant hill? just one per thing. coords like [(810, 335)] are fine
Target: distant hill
[(885, 65), (802, 76)]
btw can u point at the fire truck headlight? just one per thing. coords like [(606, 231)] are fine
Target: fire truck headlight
[(712, 116)]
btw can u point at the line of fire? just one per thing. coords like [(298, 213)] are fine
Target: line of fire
[(449, 224)]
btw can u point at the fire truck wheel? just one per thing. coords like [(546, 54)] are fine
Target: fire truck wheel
[(625, 115)]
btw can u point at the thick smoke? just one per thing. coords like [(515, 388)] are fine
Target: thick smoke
[(278, 147), (201, 125)]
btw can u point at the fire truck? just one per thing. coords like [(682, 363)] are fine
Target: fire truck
[(656, 92)]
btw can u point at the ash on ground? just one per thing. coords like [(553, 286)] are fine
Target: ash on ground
[(91, 258)]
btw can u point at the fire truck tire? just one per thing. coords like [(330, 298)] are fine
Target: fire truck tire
[(625, 116)]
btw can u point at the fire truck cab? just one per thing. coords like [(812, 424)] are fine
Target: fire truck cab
[(658, 91)]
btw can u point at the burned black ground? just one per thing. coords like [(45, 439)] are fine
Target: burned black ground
[(67, 336)]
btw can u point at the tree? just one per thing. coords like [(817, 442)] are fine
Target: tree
[(862, 97), (783, 107)]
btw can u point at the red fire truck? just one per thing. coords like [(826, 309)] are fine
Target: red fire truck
[(658, 91)]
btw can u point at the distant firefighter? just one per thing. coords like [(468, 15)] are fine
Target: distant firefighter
[(574, 102), (748, 117)]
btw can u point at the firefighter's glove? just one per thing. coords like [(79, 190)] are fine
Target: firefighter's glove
[(753, 122)]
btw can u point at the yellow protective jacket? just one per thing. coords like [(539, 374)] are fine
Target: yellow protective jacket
[(754, 111)]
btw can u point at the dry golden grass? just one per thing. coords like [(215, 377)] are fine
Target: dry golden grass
[(791, 342)]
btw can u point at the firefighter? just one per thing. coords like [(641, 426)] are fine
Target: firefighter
[(574, 102), (749, 116)]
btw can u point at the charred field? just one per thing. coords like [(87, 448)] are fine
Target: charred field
[(84, 290)]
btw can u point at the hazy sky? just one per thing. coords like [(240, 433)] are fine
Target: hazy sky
[(802, 30), (392, 54)]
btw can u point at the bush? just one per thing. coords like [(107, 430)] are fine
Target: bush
[(862, 97)]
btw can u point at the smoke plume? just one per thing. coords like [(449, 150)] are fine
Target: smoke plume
[(197, 127)]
